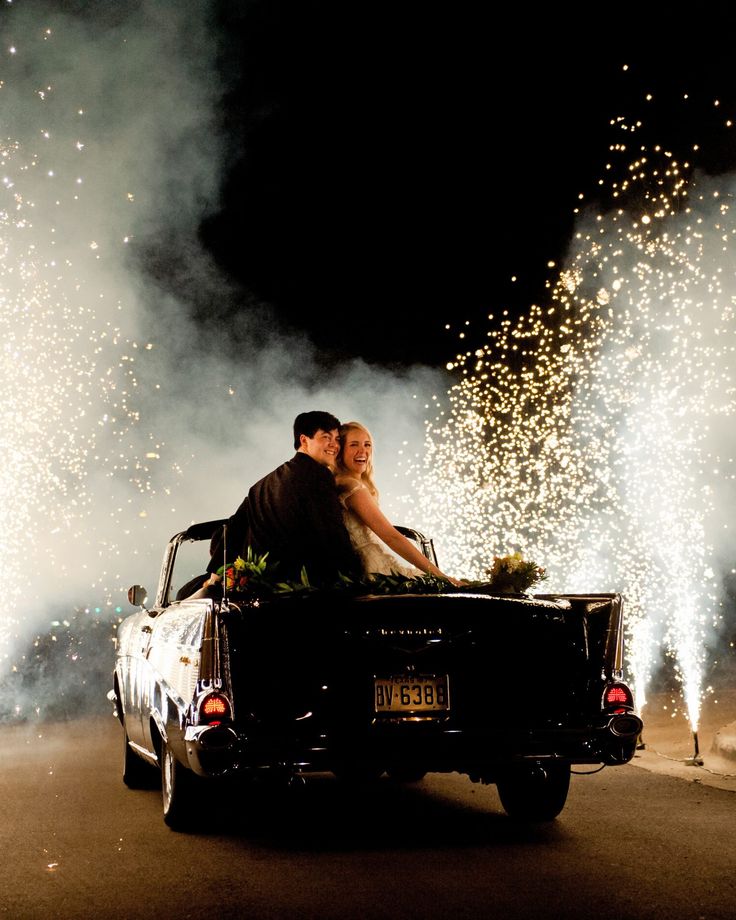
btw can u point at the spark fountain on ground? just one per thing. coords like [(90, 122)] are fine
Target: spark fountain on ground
[(67, 380), (591, 432), (68, 361)]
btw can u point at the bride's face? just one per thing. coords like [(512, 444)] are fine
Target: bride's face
[(357, 450)]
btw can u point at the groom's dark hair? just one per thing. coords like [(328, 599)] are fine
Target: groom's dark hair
[(309, 423)]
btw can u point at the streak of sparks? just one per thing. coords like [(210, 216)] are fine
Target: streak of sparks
[(585, 432)]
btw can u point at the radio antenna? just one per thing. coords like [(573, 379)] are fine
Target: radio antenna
[(224, 562)]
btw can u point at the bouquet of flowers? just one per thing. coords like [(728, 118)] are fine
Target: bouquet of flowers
[(513, 574), (255, 577), (235, 576)]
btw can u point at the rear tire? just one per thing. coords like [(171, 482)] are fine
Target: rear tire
[(405, 773), (534, 793), (178, 791), (357, 773)]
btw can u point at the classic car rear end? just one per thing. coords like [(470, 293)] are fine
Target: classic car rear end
[(510, 690)]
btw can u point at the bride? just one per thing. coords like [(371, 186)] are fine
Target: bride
[(370, 531)]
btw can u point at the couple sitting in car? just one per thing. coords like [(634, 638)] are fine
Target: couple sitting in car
[(320, 510)]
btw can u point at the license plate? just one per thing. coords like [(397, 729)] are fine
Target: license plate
[(412, 694)]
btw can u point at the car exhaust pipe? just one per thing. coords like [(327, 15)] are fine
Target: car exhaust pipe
[(219, 736), (625, 725)]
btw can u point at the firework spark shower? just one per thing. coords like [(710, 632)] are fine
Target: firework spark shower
[(593, 432)]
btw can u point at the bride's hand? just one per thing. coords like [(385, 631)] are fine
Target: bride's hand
[(438, 574)]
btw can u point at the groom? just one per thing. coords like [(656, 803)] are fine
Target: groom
[(294, 513)]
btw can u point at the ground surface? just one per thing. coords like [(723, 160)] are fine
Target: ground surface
[(632, 842)]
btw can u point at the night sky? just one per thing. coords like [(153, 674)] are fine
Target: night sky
[(392, 167)]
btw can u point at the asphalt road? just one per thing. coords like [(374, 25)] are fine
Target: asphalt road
[(76, 843)]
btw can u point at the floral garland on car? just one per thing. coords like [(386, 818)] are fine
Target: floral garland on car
[(254, 577)]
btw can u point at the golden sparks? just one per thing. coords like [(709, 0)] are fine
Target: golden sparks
[(586, 432)]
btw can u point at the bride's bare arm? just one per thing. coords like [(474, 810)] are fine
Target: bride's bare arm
[(364, 506)]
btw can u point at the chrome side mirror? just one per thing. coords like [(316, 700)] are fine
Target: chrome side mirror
[(137, 596)]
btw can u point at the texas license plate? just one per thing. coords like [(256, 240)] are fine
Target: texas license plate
[(411, 693)]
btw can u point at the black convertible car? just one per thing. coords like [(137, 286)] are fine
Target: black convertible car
[(509, 689)]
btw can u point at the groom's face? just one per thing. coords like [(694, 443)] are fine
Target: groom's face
[(323, 447)]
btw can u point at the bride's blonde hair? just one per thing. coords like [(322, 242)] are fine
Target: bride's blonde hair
[(367, 478)]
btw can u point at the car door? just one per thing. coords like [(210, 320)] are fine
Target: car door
[(134, 674)]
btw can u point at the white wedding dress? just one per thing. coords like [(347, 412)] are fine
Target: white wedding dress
[(373, 552)]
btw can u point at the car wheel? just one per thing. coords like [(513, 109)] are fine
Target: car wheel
[(405, 773), (534, 793), (358, 773), (178, 788), (137, 774)]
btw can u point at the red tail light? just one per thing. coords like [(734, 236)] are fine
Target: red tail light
[(618, 695), (214, 709)]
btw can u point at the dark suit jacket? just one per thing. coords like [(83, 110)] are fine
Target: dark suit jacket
[(294, 514)]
